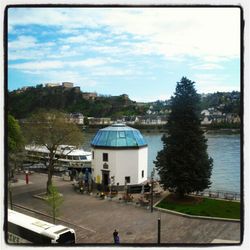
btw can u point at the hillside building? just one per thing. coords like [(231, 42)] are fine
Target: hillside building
[(51, 85), (89, 96), (99, 121), (76, 118), (68, 84)]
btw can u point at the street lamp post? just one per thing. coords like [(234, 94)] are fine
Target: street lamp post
[(152, 188), (159, 229), (112, 182)]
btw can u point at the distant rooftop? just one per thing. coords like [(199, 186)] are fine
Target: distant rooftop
[(118, 135)]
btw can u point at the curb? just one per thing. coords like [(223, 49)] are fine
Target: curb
[(51, 217), (40, 196), (191, 216)]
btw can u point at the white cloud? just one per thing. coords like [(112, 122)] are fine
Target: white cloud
[(75, 39), (44, 65), (36, 66), (91, 62), (100, 42), (28, 47), (216, 59), (208, 83), (207, 66), (62, 76), (22, 42), (93, 35), (65, 48), (29, 54), (83, 38), (69, 31), (208, 77), (65, 18), (33, 72), (108, 49), (113, 71), (176, 31), (172, 32)]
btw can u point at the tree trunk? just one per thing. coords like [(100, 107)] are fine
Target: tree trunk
[(54, 213), (50, 174), (50, 169), (180, 194)]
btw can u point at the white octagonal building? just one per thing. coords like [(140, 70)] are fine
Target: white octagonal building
[(119, 155)]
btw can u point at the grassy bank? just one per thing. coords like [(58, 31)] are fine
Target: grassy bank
[(202, 207)]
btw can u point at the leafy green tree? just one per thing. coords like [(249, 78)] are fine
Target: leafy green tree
[(15, 138), (54, 200), (183, 164), (15, 150), (15, 145), (52, 129)]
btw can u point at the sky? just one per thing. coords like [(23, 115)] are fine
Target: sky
[(142, 52)]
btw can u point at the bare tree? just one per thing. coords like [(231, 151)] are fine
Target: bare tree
[(51, 129)]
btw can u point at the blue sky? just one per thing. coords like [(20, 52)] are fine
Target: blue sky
[(142, 52)]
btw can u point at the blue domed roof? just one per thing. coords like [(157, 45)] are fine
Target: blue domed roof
[(119, 136)]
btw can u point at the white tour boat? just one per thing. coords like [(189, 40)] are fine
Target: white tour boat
[(66, 156)]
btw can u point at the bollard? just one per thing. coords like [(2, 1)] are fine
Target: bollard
[(159, 231), (27, 177)]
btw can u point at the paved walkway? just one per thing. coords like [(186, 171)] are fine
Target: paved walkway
[(95, 220)]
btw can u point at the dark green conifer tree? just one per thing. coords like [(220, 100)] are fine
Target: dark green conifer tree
[(183, 164)]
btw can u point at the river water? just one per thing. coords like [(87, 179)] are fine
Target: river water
[(224, 148)]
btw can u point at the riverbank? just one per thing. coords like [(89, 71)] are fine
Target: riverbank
[(162, 128)]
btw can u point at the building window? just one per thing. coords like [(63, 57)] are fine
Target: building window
[(105, 157), (127, 179), (142, 174), (105, 166), (122, 134)]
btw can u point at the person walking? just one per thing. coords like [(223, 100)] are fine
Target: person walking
[(116, 237)]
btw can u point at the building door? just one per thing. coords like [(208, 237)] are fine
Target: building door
[(105, 179)]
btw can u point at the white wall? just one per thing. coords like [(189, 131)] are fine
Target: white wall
[(126, 165), (143, 164), (127, 162)]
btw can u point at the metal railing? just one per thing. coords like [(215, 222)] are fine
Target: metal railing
[(220, 194)]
